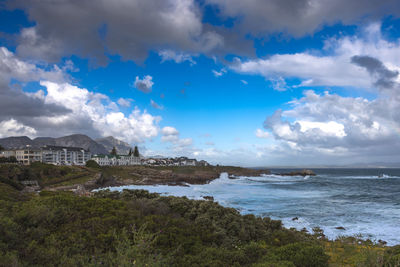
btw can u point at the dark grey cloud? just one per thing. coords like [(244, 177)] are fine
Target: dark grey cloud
[(15, 103), (384, 76), (127, 28), (300, 17)]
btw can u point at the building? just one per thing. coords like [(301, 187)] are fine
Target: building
[(7, 153), (26, 155), (119, 160), (181, 161), (59, 155)]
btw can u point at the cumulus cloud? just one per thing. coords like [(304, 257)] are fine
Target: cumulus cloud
[(124, 102), (62, 106), (333, 125), (343, 63), (145, 85), (13, 128), (170, 134), (96, 115), (300, 17)]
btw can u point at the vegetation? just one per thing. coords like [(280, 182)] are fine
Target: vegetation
[(138, 228), (45, 174), (136, 152), (11, 159), (92, 164), (113, 152)]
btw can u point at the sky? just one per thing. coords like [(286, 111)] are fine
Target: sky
[(248, 83)]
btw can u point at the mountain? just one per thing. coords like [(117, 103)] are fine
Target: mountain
[(110, 142), (80, 140), (75, 140), (16, 142)]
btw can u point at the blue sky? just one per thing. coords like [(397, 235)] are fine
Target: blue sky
[(251, 83)]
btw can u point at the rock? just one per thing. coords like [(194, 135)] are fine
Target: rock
[(340, 228), (295, 218), (210, 198), (304, 172), (381, 242)]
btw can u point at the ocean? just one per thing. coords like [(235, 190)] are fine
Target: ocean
[(365, 202)]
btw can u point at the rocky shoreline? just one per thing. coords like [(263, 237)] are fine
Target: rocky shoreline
[(176, 176)]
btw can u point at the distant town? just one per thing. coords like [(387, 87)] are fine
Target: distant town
[(63, 155)]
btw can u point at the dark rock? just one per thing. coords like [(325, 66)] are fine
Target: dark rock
[(299, 173), (295, 218), (340, 228), (208, 198), (381, 242)]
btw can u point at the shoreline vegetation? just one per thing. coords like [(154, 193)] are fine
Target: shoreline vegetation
[(65, 224)]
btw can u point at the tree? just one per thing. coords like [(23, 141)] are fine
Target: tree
[(113, 151), (1, 148), (136, 153), (130, 152)]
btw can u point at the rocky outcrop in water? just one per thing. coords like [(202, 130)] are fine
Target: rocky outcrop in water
[(304, 172)]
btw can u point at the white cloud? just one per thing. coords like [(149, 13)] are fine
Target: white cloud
[(332, 67), (169, 134), (13, 128), (12, 67), (145, 84), (333, 125), (219, 73), (178, 57), (262, 134), (327, 128), (92, 109), (124, 102), (179, 145), (244, 82)]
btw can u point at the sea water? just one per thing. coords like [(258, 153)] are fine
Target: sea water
[(365, 202)]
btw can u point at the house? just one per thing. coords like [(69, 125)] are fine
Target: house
[(119, 160)]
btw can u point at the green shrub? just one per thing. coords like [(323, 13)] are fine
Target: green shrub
[(92, 164), (304, 255)]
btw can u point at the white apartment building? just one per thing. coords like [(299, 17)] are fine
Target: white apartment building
[(49, 154), (58, 155)]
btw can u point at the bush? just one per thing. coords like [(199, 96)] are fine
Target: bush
[(12, 183), (304, 255), (92, 164)]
